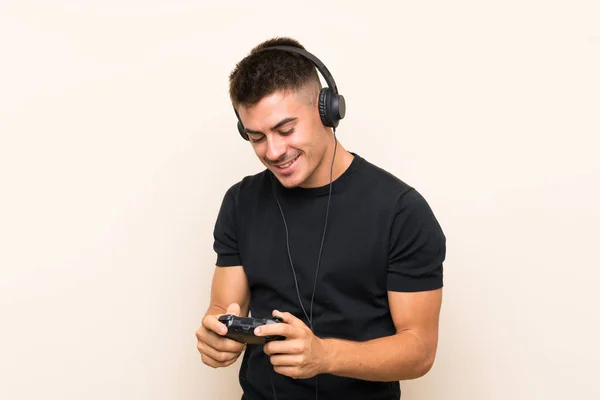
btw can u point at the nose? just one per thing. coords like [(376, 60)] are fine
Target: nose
[(276, 147)]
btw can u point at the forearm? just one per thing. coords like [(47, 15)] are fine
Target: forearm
[(215, 309), (229, 286), (399, 357)]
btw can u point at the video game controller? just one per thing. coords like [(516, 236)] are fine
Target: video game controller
[(241, 329)]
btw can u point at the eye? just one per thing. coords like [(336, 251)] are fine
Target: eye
[(256, 140), (288, 132)]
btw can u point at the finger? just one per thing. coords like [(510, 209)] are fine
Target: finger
[(279, 329), (289, 318), (219, 357), (294, 346), (206, 359), (220, 343), (291, 327), (214, 363), (287, 360), (212, 323), (234, 309), (292, 372)]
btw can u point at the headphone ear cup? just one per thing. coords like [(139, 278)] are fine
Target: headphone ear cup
[(241, 130), (332, 108), (324, 107)]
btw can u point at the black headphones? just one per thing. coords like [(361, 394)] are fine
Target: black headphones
[(332, 105)]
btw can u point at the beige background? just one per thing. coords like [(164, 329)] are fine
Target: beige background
[(118, 142)]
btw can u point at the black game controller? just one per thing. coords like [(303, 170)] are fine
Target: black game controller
[(241, 329)]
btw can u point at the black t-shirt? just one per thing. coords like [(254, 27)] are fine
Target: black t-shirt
[(381, 235)]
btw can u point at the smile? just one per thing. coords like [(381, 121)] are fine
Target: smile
[(288, 164)]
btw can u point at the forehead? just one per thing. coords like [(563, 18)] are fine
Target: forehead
[(276, 105)]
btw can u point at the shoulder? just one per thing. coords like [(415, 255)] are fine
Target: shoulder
[(396, 194), (248, 187), (237, 199), (381, 177), (381, 184)]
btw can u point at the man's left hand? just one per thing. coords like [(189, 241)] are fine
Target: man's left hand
[(301, 355)]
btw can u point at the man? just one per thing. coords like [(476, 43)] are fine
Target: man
[(348, 255)]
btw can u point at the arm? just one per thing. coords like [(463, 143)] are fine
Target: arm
[(408, 354), (229, 282), (416, 254), (229, 286), (230, 291), (229, 294)]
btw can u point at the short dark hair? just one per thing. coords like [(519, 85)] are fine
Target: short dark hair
[(262, 73)]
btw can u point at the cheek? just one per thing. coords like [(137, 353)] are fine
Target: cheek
[(304, 143)]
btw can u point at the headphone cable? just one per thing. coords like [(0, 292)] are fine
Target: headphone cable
[(325, 228), (309, 319)]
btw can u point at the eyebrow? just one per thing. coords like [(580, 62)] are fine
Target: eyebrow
[(278, 125)]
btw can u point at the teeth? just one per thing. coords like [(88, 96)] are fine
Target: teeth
[(284, 166)]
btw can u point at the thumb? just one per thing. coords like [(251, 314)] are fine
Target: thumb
[(234, 309), (289, 318)]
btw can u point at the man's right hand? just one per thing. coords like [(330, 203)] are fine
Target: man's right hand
[(218, 351)]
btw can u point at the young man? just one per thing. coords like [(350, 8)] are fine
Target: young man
[(348, 255)]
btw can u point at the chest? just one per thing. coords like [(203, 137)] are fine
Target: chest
[(351, 256)]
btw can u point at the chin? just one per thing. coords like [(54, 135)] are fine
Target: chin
[(289, 182)]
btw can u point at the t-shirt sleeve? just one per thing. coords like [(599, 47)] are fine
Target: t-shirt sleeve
[(225, 231), (417, 246)]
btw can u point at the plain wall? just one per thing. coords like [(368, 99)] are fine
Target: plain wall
[(118, 142)]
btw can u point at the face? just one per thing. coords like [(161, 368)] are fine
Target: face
[(288, 137)]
